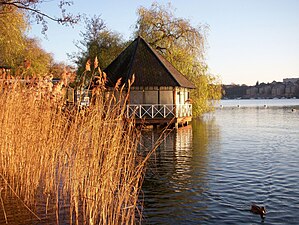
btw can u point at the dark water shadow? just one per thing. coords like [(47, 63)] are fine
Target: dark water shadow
[(176, 179)]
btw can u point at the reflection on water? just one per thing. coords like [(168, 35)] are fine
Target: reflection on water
[(177, 175), (211, 172), (17, 214)]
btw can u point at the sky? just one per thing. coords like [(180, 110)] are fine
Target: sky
[(248, 40)]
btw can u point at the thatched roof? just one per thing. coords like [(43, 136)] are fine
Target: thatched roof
[(149, 67)]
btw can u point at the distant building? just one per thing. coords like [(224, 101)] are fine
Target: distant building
[(252, 91), (291, 89), (292, 80), (264, 90), (278, 90)]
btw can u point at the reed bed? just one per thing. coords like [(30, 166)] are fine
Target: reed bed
[(82, 160)]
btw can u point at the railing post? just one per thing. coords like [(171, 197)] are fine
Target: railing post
[(180, 110), (152, 112), (140, 111), (128, 108)]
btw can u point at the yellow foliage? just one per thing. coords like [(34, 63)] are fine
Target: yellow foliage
[(17, 50), (12, 41)]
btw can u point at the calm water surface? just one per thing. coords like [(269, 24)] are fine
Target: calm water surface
[(211, 172)]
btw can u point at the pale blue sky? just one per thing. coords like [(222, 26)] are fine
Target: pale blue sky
[(249, 40)]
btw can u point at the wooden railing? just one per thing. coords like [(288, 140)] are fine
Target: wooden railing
[(158, 111)]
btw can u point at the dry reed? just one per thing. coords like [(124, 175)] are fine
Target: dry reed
[(85, 160)]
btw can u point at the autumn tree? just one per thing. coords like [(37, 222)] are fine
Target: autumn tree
[(58, 68), (184, 46), (16, 48), (97, 41), (33, 9), (12, 38), (39, 59), (17, 51)]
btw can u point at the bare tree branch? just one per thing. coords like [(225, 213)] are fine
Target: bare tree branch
[(31, 7)]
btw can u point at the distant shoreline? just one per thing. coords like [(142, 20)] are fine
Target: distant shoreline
[(287, 89)]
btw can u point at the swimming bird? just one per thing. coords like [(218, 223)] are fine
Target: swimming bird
[(261, 210)]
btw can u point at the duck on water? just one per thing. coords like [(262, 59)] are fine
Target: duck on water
[(261, 210)]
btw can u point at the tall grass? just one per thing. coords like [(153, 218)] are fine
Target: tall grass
[(85, 160)]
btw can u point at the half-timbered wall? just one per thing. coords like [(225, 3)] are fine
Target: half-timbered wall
[(151, 95)]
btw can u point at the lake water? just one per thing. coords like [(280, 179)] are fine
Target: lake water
[(212, 171)]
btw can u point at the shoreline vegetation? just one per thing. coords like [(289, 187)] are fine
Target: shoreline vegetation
[(85, 162)]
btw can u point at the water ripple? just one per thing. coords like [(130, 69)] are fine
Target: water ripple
[(213, 172)]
